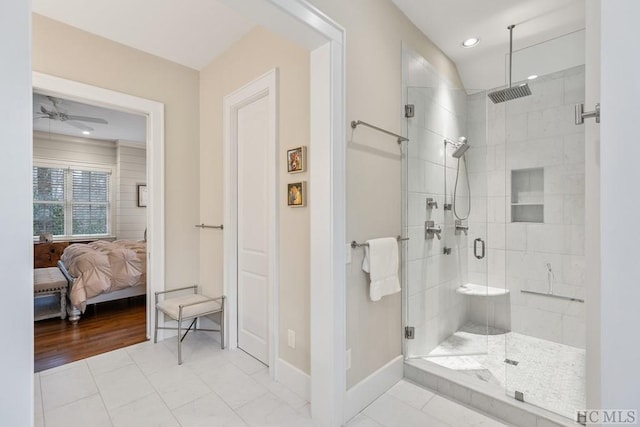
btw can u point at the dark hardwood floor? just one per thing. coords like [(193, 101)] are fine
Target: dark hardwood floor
[(103, 327)]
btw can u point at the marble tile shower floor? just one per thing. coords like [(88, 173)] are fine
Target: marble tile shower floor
[(550, 375)]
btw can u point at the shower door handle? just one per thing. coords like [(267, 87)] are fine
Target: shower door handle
[(475, 248)]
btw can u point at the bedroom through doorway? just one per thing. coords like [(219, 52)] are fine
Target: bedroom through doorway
[(90, 227)]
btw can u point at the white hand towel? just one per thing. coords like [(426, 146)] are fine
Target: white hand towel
[(381, 262)]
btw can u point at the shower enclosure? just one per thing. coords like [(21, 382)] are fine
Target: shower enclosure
[(497, 295)]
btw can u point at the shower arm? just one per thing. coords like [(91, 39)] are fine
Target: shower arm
[(447, 206), (510, 28)]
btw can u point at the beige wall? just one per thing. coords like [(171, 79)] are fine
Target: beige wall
[(375, 30), (67, 52), (256, 53)]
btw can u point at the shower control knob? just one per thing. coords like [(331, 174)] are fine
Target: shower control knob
[(431, 231)]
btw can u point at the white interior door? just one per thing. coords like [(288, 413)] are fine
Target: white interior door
[(253, 229)]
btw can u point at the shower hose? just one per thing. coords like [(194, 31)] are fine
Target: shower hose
[(455, 190)]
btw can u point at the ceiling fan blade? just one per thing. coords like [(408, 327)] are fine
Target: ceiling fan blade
[(88, 119), (55, 102), (79, 125)]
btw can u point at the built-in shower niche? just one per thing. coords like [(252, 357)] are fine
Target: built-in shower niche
[(527, 195)]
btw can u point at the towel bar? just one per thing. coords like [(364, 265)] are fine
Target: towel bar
[(355, 244), (219, 227)]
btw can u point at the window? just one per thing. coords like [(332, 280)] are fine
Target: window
[(71, 201)]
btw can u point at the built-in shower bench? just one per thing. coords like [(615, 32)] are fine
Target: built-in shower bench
[(481, 290), (488, 305)]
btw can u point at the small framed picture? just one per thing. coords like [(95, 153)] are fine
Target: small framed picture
[(297, 194), (296, 159), (143, 197)]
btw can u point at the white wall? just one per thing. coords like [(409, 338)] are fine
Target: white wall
[(73, 149), (592, 205), (620, 203), (16, 254), (131, 219)]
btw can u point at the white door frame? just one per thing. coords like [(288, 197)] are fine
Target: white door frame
[(81, 92), (264, 86)]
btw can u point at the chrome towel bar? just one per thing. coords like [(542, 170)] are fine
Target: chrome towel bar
[(355, 244), (545, 294), (219, 227), (355, 123)]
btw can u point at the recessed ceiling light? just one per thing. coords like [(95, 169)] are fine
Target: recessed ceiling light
[(532, 77), (471, 42), (86, 132)]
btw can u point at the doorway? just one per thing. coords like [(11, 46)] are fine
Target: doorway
[(250, 145), (80, 92), (88, 162)]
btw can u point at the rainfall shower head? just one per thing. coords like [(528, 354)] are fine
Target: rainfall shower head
[(511, 92), (461, 147)]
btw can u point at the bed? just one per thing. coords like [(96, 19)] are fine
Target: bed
[(103, 271)]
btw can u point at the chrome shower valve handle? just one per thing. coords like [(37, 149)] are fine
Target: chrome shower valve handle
[(430, 230)]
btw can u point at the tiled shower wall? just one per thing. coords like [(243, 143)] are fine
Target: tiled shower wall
[(537, 131), (434, 308)]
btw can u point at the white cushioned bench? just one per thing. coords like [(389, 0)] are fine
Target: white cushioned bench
[(49, 293)]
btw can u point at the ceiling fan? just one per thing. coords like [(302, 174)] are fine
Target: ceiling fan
[(56, 113)]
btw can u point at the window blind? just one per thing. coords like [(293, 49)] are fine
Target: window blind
[(70, 202)]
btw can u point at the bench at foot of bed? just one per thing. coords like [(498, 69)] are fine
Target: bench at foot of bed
[(49, 293)]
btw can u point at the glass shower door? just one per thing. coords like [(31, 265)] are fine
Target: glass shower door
[(445, 217), (544, 229)]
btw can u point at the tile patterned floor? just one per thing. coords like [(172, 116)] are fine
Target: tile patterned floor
[(550, 375), (143, 385)]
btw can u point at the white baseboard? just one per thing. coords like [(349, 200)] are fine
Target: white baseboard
[(294, 379), (369, 389)]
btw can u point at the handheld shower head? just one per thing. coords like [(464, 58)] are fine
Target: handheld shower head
[(462, 147)]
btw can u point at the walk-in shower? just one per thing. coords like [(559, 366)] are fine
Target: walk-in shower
[(498, 299)]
